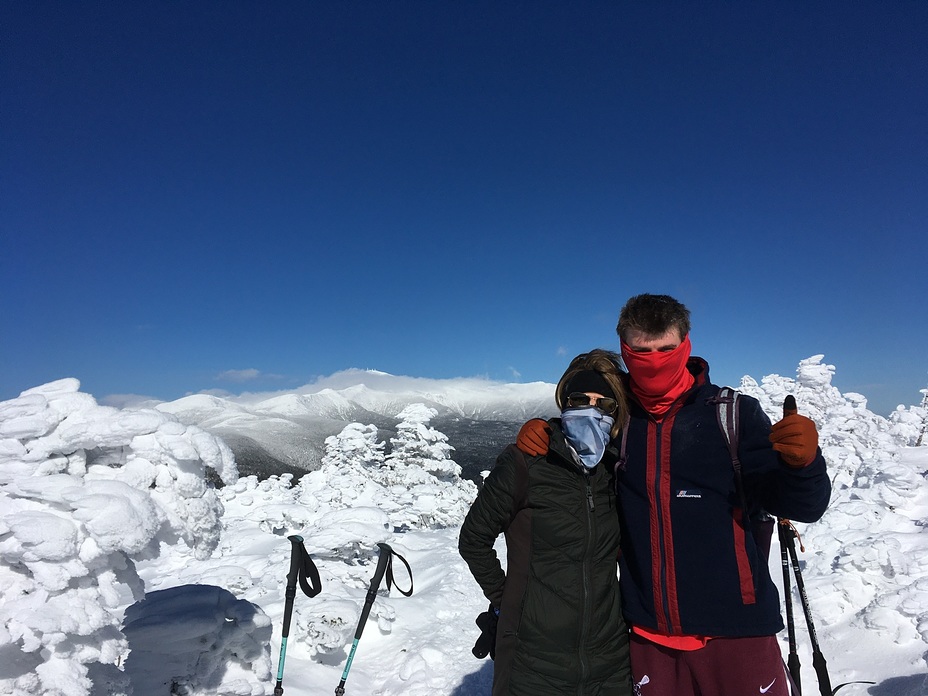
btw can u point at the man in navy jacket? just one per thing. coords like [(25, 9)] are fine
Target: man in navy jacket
[(696, 589)]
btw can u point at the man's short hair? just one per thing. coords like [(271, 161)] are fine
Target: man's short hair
[(654, 315)]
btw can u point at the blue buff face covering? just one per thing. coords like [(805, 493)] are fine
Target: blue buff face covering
[(587, 431)]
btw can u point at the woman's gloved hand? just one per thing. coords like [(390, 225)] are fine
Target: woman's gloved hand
[(486, 643)]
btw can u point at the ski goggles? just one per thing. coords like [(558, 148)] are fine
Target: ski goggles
[(603, 403)]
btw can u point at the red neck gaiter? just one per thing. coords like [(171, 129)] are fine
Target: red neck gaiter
[(658, 379)]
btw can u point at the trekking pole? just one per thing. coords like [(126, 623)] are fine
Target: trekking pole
[(384, 566), (301, 566), (792, 663), (788, 535), (818, 660)]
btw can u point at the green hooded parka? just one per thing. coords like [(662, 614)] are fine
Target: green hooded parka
[(560, 625)]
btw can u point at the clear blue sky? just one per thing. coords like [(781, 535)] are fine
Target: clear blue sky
[(444, 189)]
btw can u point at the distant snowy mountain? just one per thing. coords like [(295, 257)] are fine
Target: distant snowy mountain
[(285, 432)]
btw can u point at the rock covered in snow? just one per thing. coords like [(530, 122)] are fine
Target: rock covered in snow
[(197, 640), (86, 491)]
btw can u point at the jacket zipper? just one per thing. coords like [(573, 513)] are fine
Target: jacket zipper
[(587, 609)]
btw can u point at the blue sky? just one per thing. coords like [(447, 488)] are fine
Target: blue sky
[(192, 194)]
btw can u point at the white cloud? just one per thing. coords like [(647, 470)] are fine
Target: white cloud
[(239, 375), (129, 401)]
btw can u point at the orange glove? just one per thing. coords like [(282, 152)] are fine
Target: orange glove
[(795, 437), (534, 437)]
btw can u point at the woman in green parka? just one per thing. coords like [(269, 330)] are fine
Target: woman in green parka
[(560, 628)]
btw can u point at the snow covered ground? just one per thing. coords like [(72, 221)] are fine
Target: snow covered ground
[(101, 506)]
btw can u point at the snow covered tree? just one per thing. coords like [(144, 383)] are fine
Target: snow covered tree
[(924, 407), (355, 445), (418, 445), (424, 485), (911, 423), (416, 485), (347, 477)]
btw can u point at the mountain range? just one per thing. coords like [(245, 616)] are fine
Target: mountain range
[(285, 432)]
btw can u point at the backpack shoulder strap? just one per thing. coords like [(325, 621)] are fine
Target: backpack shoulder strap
[(726, 405), (520, 489), (726, 411), (623, 456)]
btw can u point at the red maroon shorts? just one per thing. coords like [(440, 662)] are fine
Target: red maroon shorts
[(725, 667)]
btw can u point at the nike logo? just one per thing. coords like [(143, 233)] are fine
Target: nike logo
[(764, 690)]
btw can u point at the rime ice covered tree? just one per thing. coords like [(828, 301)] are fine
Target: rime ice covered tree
[(418, 445), (924, 407), (911, 423), (347, 477), (416, 485), (356, 445), (424, 484)]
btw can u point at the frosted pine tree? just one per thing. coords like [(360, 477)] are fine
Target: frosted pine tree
[(911, 423), (417, 444), (348, 474), (424, 483), (355, 446), (924, 407)]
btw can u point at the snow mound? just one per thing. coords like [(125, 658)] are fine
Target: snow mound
[(197, 640), (86, 491)]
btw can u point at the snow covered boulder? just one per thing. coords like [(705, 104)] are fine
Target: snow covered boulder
[(85, 492), (197, 640)]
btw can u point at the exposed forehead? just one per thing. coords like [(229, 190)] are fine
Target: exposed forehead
[(636, 338)]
